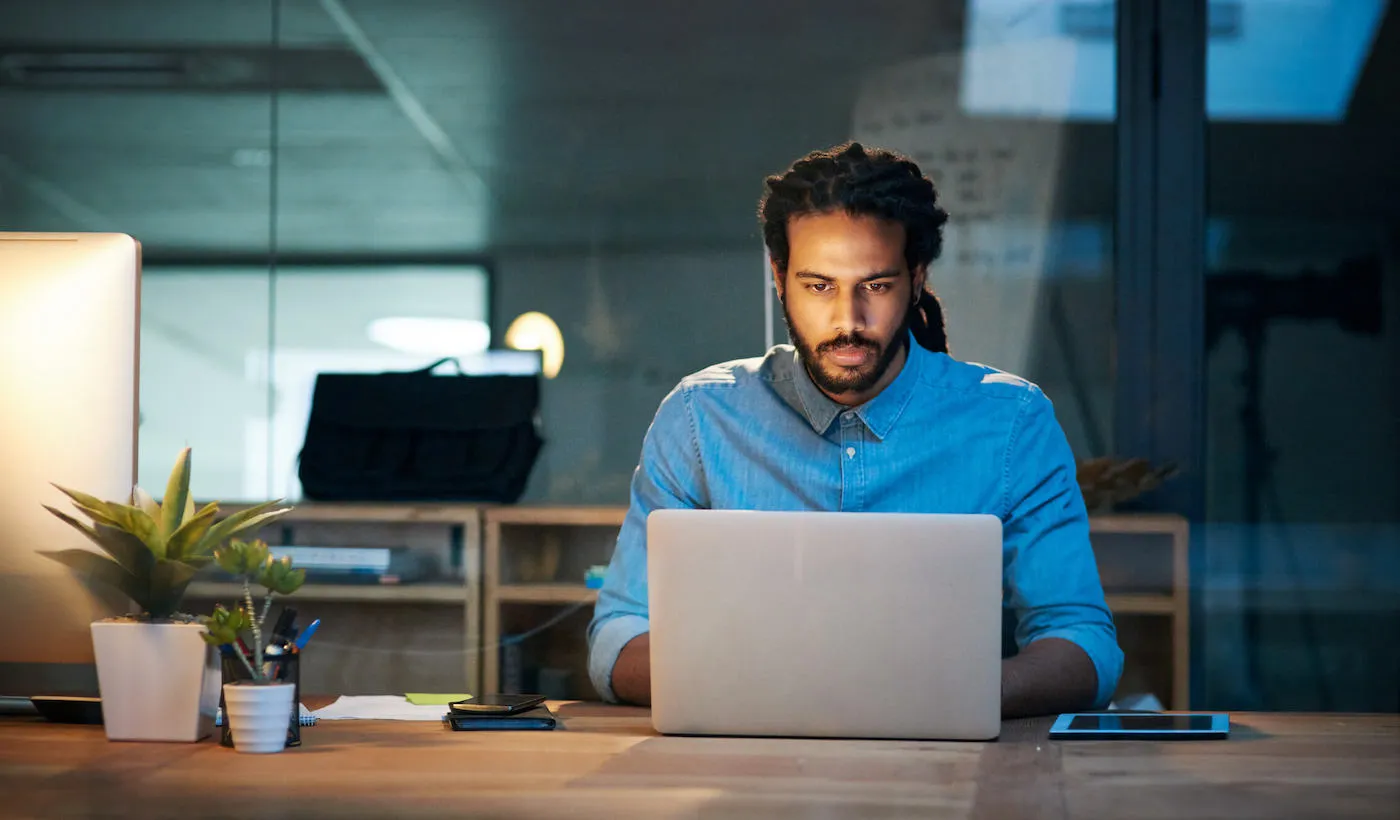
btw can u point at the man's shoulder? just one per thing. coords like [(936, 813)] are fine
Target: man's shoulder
[(718, 388), (984, 381), (739, 374)]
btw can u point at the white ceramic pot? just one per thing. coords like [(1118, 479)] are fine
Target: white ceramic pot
[(259, 715), (157, 681)]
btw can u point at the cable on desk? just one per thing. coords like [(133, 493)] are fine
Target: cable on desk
[(505, 640), (558, 617)]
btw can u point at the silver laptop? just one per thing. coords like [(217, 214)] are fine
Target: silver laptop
[(820, 624)]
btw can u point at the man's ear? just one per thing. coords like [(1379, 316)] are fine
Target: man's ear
[(918, 275), (778, 279)]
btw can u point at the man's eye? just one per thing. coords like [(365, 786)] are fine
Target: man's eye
[(878, 287), (819, 287)]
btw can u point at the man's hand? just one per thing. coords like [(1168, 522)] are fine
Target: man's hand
[(631, 676), (1048, 677)]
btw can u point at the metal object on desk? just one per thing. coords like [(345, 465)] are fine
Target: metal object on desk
[(11, 705)]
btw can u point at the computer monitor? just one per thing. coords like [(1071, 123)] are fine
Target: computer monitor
[(69, 336)]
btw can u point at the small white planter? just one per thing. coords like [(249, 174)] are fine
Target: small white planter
[(259, 715), (157, 681)]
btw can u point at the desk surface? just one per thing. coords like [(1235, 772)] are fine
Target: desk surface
[(607, 762)]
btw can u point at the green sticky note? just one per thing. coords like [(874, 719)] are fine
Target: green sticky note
[(429, 699)]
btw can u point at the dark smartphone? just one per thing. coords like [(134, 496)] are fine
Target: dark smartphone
[(495, 705)]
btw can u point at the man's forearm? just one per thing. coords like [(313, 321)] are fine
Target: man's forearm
[(1048, 677), (631, 676)]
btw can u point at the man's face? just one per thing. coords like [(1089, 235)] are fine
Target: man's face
[(846, 297)]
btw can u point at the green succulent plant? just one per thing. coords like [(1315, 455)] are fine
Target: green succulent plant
[(239, 558), (279, 577), (225, 625), (152, 550), (250, 562)]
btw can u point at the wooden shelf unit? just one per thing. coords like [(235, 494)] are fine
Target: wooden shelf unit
[(529, 563), (522, 557), (407, 620), (1144, 564)]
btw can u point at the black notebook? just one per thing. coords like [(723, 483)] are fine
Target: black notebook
[(537, 718)]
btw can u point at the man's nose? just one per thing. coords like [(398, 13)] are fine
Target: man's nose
[(848, 314)]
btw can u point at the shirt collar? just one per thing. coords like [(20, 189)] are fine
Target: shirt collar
[(879, 414)]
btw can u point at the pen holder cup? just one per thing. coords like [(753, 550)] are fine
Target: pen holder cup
[(288, 670)]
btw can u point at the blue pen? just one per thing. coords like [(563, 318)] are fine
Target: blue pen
[(306, 636)]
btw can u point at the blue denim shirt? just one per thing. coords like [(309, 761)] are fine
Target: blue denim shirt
[(944, 437)]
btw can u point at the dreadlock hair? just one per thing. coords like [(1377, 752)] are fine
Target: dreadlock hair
[(863, 182)]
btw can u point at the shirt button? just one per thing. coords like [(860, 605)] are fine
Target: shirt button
[(850, 452), (847, 418)]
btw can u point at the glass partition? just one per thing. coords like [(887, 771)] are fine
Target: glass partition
[(1302, 575)]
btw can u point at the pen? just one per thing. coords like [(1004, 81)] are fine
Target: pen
[(306, 636)]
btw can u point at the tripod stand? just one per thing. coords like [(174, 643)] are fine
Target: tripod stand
[(1247, 302)]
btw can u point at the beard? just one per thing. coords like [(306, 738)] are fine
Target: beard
[(834, 378)]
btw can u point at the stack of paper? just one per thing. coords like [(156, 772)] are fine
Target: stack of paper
[(379, 707)]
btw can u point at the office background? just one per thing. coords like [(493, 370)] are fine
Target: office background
[(302, 171)]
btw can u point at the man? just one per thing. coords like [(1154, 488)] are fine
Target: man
[(867, 411)]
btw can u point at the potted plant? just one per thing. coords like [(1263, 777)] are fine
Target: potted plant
[(157, 679), (259, 708)]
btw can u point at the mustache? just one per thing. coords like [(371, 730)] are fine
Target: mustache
[(847, 340)]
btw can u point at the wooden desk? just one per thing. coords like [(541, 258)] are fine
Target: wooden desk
[(607, 762)]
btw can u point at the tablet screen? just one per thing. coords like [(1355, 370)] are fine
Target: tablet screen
[(1141, 723)]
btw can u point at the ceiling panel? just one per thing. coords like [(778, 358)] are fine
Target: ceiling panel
[(532, 123)]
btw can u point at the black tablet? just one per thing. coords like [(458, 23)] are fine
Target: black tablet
[(1141, 726)]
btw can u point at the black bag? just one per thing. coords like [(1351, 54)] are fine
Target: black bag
[(418, 437)]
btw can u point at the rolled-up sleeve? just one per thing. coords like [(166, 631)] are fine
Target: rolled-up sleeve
[(1052, 580), (668, 475)]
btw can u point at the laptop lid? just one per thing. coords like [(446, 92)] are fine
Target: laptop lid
[(825, 624)]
